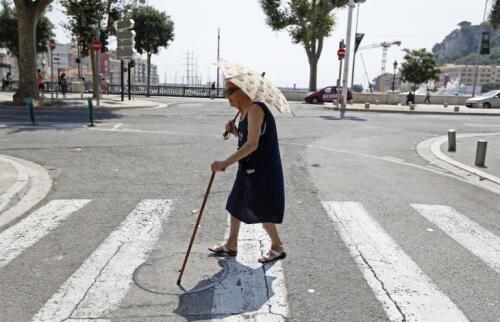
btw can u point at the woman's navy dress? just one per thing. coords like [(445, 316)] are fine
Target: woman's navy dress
[(258, 194)]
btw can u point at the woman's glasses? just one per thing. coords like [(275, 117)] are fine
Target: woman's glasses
[(230, 91)]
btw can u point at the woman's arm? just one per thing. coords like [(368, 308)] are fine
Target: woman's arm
[(255, 119)]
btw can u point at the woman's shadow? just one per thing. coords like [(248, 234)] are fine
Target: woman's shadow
[(242, 289)]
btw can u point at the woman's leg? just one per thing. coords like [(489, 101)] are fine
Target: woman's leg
[(272, 231), (234, 230)]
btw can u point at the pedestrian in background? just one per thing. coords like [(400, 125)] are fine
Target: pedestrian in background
[(63, 83), (427, 97), (258, 194), (104, 85), (410, 98), (9, 80), (212, 92), (41, 83)]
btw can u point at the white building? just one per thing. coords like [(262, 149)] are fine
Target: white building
[(464, 74)]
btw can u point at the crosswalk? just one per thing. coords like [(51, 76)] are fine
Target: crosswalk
[(250, 291)]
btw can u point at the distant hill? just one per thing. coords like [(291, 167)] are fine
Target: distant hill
[(461, 45)]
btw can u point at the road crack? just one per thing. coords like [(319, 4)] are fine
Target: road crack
[(95, 281), (381, 284)]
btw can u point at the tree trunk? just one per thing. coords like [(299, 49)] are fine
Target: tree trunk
[(148, 81), (26, 24), (313, 73)]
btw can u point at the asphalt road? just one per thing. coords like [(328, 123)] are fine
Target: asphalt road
[(364, 228)]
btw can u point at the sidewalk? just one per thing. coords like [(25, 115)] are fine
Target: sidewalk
[(466, 153), (419, 109), (107, 101), (8, 177), (23, 184)]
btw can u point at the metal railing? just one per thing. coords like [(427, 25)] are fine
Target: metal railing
[(161, 90)]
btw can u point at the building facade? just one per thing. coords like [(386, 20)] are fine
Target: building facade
[(64, 60), (383, 83), (464, 74)]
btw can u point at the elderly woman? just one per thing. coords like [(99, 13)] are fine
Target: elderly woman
[(258, 194)]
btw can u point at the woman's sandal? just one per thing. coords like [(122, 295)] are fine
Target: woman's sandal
[(222, 250), (272, 256)]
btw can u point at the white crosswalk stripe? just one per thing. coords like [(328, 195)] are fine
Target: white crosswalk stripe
[(466, 232), (102, 281), (405, 291), (14, 240), (251, 291)]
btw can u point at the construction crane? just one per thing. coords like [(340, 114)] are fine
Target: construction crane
[(366, 73), (385, 46)]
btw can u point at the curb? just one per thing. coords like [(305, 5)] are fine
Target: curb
[(33, 185), (436, 150), (411, 112), (18, 189), (430, 150)]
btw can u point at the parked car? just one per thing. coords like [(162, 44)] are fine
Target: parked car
[(486, 100), (327, 94)]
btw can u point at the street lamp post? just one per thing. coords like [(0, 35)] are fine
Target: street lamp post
[(476, 73), (347, 56), (394, 78), (218, 57)]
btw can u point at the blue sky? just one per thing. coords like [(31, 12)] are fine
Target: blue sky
[(245, 38)]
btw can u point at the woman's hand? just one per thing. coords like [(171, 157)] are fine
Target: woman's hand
[(219, 166), (231, 128)]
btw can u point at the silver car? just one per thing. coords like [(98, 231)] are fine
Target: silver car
[(486, 100)]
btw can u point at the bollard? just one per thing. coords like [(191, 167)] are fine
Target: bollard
[(367, 105), (452, 140), (457, 108), (481, 152), (29, 102), (91, 111), (412, 107)]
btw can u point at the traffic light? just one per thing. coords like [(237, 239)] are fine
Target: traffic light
[(103, 38), (485, 43)]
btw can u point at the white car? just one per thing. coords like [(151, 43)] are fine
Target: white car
[(486, 100)]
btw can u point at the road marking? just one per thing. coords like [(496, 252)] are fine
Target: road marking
[(404, 290), (102, 281), (466, 232), (244, 294), (482, 125), (157, 132), (14, 240), (117, 126)]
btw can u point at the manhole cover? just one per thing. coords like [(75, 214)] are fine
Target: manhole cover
[(159, 275)]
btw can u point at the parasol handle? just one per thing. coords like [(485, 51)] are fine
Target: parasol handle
[(226, 133)]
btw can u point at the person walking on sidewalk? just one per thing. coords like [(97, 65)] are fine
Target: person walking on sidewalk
[(212, 91), (40, 81), (63, 83), (258, 194), (427, 97)]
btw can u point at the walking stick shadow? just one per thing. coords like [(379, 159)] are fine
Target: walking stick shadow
[(244, 289)]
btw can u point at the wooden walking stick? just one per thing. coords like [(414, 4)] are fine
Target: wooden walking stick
[(181, 271)]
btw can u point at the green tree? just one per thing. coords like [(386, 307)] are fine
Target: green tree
[(495, 15), (8, 31), (357, 88), (308, 22), (419, 67), (154, 29), (28, 15)]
